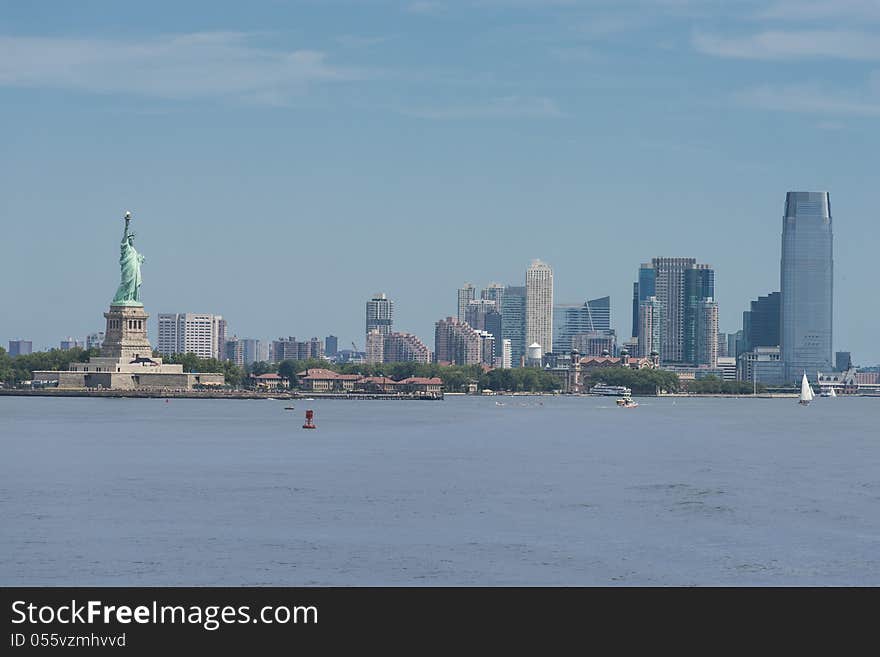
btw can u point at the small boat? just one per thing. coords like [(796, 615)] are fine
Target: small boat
[(806, 392), (289, 408), (828, 392), (309, 399), (627, 402)]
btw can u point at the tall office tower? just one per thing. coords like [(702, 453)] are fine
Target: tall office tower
[(375, 347), (650, 326), (476, 311), (539, 305), (842, 361), (380, 314), (20, 347), (807, 274), (71, 343), (201, 334), (331, 345), (405, 348), (699, 285), (596, 343), (95, 340), (643, 288), (234, 351), (735, 343), (706, 339), (513, 321), (722, 344), (252, 351), (493, 292), (494, 325), (457, 343), (761, 322), (466, 294), (572, 320)]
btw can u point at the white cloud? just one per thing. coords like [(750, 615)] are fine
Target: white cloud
[(511, 107), (811, 98), (188, 66), (779, 44)]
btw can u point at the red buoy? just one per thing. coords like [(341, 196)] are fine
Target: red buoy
[(309, 424)]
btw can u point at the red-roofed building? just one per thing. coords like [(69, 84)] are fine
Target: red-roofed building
[(321, 380), (268, 381), (432, 387)]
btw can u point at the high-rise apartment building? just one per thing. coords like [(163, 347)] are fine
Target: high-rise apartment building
[(706, 333), (331, 345), (699, 286), (20, 347), (380, 314), (466, 294), (493, 292), (192, 333), (457, 343), (650, 333), (513, 321), (539, 305), (234, 351), (375, 346), (291, 349), (505, 361), (807, 284), (95, 340), (643, 288), (405, 348)]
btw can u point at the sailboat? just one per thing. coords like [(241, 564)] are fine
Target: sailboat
[(806, 391), (828, 392)]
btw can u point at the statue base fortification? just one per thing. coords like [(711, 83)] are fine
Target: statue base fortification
[(126, 361)]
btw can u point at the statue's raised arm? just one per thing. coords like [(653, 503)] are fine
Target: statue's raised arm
[(128, 293)]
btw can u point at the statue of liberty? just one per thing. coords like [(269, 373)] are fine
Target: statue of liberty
[(130, 261)]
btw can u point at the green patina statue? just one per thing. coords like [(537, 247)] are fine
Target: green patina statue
[(130, 261)]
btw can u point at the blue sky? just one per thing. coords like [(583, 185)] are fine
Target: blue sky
[(286, 160)]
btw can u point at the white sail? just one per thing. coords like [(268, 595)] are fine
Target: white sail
[(831, 392), (806, 390)]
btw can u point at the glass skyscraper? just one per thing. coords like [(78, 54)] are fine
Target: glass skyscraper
[(577, 319), (807, 276), (513, 321)]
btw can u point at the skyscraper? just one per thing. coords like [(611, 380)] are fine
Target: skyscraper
[(476, 311), (493, 292), (20, 347), (643, 288), (404, 348), (539, 305), (513, 321), (572, 320), (456, 342), (466, 294), (380, 314), (706, 333), (761, 322), (680, 286), (375, 346), (650, 326), (807, 284), (331, 345)]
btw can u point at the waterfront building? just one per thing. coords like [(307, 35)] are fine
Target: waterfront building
[(466, 294), (761, 365), (650, 333), (95, 340), (331, 345), (513, 322), (807, 280), (20, 347), (457, 343), (477, 310), (380, 314), (71, 343), (404, 348), (842, 361), (727, 365), (375, 346), (539, 305), (192, 333)]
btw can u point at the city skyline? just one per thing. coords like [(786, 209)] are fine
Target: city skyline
[(593, 135)]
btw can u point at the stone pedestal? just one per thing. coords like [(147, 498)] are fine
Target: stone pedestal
[(126, 333)]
